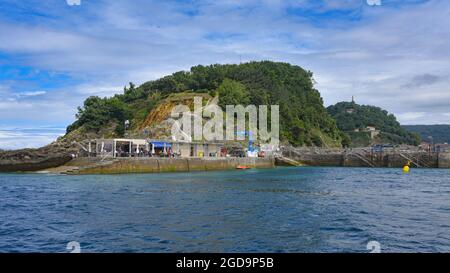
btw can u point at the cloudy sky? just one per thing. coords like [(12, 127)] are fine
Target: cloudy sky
[(53, 55)]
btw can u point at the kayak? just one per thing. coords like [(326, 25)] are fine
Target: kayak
[(243, 167)]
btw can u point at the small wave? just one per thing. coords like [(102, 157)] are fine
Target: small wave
[(301, 192)]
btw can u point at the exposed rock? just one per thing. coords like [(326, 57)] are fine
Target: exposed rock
[(52, 155)]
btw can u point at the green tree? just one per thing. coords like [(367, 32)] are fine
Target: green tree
[(232, 93), (98, 112)]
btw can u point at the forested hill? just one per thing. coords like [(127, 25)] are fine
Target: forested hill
[(350, 116), (304, 120), (439, 133)]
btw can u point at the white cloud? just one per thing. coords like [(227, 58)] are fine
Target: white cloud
[(393, 56), (31, 94), (411, 116), (17, 138), (98, 90)]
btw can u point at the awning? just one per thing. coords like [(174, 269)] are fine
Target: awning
[(161, 144)]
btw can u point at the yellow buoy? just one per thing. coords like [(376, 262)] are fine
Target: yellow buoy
[(406, 169)]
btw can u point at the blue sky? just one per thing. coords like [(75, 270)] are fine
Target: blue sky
[(54, 55)]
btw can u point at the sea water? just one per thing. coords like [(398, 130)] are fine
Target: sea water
[(272, 210)]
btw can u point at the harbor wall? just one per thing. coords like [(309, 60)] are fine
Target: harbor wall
[(391, 160), (156, 165), (444, 160)]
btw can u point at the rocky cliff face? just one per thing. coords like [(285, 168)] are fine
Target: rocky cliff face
[(158, 123)]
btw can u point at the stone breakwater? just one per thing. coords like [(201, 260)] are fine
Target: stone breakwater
[(157, 165), (359, 158)]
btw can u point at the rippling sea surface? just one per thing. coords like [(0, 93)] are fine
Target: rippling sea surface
[(276, 210)]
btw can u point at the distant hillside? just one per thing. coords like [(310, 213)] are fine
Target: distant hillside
[(304, 120), (351, 116), (440, 133)]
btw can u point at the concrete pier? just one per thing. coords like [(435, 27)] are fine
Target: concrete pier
[(444, 160), (157, 165)]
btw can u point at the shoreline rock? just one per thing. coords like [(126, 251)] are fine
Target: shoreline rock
[(25, 160)]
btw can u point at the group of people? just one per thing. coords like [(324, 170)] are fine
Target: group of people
[(139, 152)]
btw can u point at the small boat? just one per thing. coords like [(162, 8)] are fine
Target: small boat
[(243, 167)]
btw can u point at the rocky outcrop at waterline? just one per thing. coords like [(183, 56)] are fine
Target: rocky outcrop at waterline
[(34, 165), (26, 160)]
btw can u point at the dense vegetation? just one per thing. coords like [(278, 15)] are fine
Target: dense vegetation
[(98, 112), (304, 120), (439, 133), (350, 116)]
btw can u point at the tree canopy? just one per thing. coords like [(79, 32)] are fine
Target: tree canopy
[(431, 133), (97, 112), (304, 120), (350, 116)]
